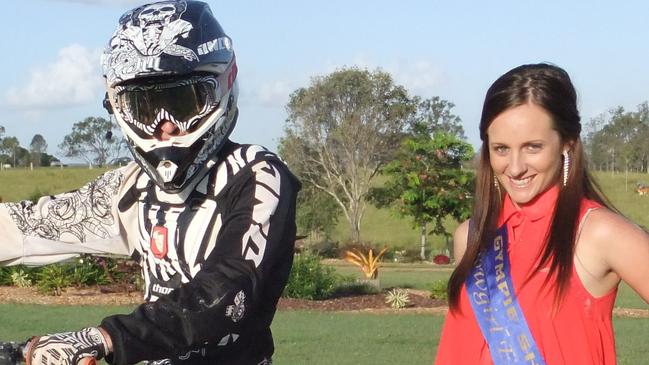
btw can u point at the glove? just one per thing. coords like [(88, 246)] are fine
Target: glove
[(67, 348)]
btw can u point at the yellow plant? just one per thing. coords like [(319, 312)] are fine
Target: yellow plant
[(368, 262)]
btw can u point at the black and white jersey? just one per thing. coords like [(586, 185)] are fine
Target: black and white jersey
[(215, 257)]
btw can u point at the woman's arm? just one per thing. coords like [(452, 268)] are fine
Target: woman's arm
[(613, 248), (460, 239)]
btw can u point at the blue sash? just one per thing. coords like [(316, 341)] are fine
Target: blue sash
[(496, 308)]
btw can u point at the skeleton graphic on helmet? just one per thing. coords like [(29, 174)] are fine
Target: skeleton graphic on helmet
[(158, 14), (156, 81)]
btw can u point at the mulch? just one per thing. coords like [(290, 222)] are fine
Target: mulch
[(124, 296), (367, 302), (420, 302)]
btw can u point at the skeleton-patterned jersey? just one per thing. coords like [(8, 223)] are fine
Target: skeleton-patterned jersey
[(215, 257)]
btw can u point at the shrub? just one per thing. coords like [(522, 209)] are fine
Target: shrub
[(20, 279), (438, 290), (84, 271), (20, 276), (87, 270), (5, 276), (325, 248), (368, 261), (54, 278), (310, 279), (348, 286), (36, 194), (397, 298), (441, 260), (411, 255)]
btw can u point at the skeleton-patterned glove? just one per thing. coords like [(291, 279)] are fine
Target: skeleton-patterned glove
[(68, 348)]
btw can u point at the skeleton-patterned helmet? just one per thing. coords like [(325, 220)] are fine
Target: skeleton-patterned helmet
[(171, 61)]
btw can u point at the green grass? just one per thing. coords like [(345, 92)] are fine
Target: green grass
[(627, 298), (315, 337), (621, 192), (339, 338), (415, 276), (20, 184)]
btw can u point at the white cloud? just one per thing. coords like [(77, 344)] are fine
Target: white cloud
[(420, 77), (73, 79), (274, 94)]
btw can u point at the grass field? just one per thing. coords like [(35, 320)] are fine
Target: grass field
[(316, 338), (19, 184)]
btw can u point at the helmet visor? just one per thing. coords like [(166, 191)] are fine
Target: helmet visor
[(183, 102)]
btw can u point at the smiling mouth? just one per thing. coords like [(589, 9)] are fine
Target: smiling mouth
[(521, 183)]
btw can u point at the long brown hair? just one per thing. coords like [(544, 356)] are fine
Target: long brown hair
[(549, 87)]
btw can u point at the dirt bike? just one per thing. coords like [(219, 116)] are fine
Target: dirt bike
[(13, 353)]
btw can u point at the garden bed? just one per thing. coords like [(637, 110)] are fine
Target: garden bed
[(419, 301), (119, 296)]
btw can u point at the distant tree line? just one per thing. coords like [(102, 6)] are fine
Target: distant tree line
[(618, 140), (94, 140), (11, 153)]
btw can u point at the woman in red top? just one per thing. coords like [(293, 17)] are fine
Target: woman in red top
[(543, 254)]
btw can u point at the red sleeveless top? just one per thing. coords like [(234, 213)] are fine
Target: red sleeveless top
[(580, 331)]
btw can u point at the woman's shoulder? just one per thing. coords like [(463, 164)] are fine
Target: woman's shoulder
[(614, 244), (601, 224), (610, 234)]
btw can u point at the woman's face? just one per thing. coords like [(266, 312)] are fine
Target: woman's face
[(525, 151)]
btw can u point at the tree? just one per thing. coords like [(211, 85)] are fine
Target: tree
[(9, 147), (435, 115), (94, 141), (317, 213), (341, 130), (618, 139), (37, 148), (426, 182), (3, 157)]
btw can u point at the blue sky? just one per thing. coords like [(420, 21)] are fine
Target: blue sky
[(51, 78)]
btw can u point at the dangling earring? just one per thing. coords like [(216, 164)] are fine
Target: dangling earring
[(497, 185), (566, 167)]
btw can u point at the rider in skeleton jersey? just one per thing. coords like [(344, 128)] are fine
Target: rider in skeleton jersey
[(211, 222), (214, 260)]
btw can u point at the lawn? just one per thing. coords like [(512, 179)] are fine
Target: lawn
[(316, 337), (20, 183)]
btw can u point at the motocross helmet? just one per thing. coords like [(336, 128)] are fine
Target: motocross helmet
[(172, 61)]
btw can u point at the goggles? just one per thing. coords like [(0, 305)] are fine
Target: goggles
[(183, 102)]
